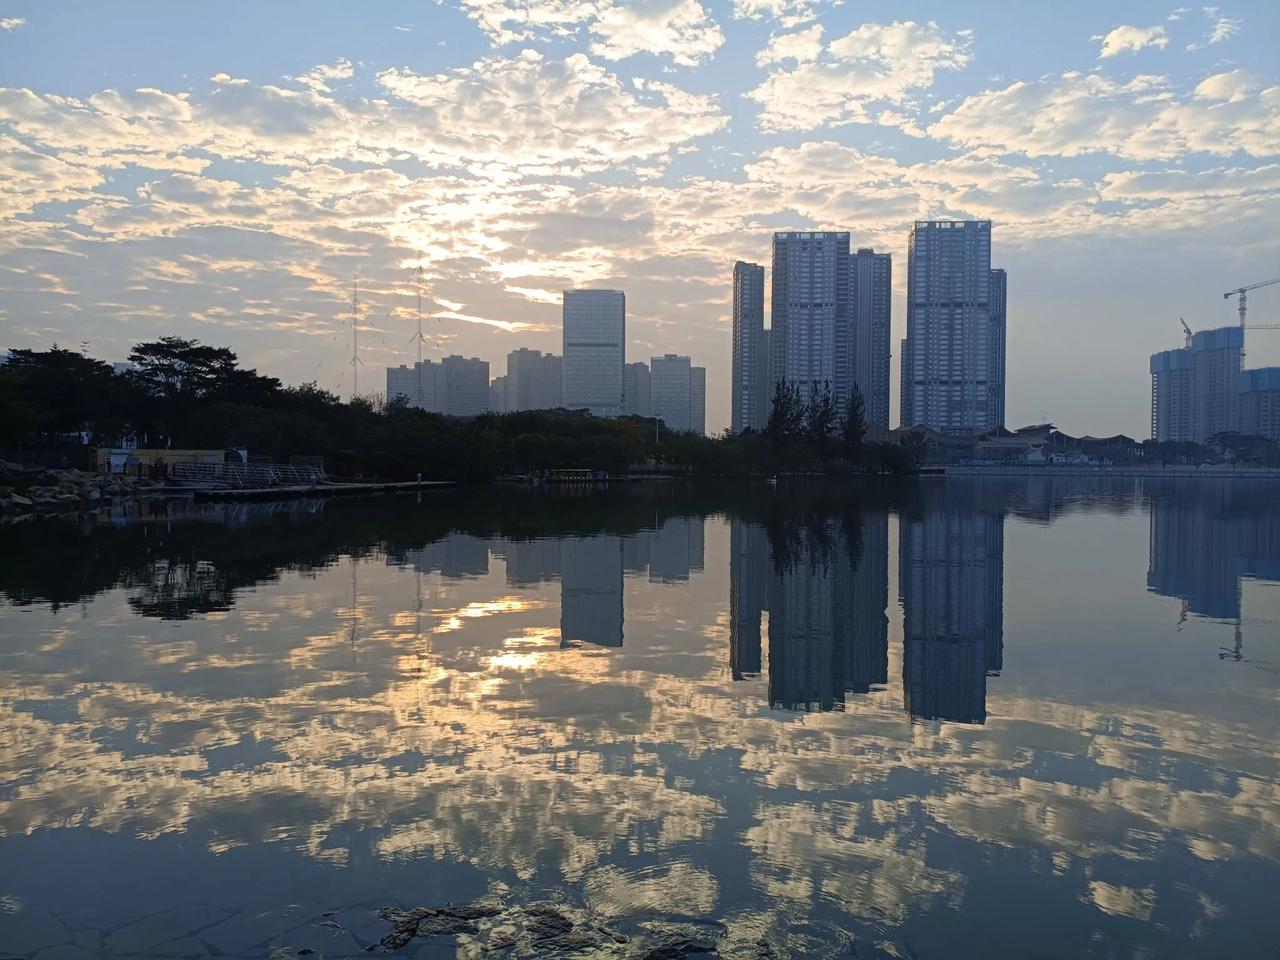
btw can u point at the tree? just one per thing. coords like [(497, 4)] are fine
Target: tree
[(820, 414), (175, 369), (854, 427), (787, 414)]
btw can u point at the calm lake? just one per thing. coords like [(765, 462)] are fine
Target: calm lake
[(935, 719)]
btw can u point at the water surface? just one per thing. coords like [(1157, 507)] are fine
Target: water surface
[(941, 719)]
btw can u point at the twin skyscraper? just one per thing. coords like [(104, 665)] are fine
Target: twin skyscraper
[(830, 312)]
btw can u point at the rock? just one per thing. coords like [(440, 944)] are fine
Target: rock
[(20, 501), (677, 948), (29, 929), (239, 933), (159, 928), (67, 951)]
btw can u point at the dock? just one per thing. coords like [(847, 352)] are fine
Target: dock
[(291, 492)]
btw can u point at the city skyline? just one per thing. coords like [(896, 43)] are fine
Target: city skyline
[(168, 170)]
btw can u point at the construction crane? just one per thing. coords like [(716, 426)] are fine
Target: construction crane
[(1188, 330), (1243, 294)]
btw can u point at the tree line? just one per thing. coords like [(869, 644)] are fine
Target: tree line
[(182, 393)]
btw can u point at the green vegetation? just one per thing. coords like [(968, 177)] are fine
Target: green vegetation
[(185, 394)]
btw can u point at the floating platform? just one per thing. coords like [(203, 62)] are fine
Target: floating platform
[(316, 490)]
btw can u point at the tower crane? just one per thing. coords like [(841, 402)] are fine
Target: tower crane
[(1243, 294), (1188, 330)]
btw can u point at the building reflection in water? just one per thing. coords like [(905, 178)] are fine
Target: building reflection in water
[(825, 587), (590, 571), (951, 584), (1205, 539)]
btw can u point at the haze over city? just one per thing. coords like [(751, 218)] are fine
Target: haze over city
[(171, 169)]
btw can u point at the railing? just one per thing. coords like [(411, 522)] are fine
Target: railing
[(250, 475)]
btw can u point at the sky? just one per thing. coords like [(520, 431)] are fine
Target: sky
[(223, 171)]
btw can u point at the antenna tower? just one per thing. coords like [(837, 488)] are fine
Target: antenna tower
[(356, 362), (419, 277)]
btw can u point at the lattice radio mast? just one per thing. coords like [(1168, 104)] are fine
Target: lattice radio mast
[(419, 277), (356, 362)]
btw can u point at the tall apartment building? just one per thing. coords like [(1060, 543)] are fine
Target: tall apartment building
[(1171, 396), (455, 386), (953, 360), (1215, 381), (466, 387), (871, 286), (810, 341), (999, 295), (678, 392), (749, 399), (595, 335), (1260, 402), (636, 398), (498, 402), (1196, 390), (533, 380)]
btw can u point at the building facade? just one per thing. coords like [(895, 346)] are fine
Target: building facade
[(1171, 393), (698, 400), (1215, 381), (455, 386), (871, 282), (595, 335), (498, 402), (533, 380), (951, 376), (999, 294), (810, 341), (749, 388), (466, 384), (671, 382), (1260, 402), (636, 399)]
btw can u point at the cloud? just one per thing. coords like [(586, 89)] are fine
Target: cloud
[(318, 77), (680, 28), (620, 28), (9, 24), (875, 63), (1143, 119), (787, 12), (1125, 39), (1222, 29), (803, 46)]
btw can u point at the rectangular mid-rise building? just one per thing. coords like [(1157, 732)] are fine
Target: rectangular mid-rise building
[(595, 334)]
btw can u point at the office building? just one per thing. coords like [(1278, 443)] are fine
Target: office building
[(871, 286), (749, 388), (810, 342), (533, 380), (455, 386), (678, 391), (952, 369), (698, 400), (1259, 403), (1171, 393), (595, 335), (636, 400)]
